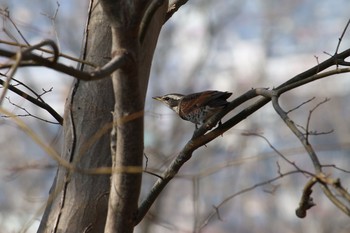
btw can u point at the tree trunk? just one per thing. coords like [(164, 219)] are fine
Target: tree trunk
[(130, 86), (79, 202)]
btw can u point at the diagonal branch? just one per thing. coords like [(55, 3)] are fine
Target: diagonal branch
[(202, 136), (35, 101), (248, 189), (300, 135)]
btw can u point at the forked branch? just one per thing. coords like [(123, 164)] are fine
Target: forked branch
[(203, 136)]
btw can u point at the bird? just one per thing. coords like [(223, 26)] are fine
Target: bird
[(196, 107)]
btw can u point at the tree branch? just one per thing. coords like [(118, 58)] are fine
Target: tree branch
[(35, 101), (49, 51), (30, 59), (202, 136), (227, 199)]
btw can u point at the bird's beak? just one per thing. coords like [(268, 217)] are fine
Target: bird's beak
[(157, 98)]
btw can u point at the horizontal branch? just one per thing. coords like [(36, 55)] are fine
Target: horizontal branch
[(30, 58), (48, 51)]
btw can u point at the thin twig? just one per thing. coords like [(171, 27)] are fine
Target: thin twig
[(229, 198), (297, 133), (53, 20), (341, 37), (6, 14), (309, 119), (37, 101), (336, 167), (303, 103), (27, 113), (276, 151)]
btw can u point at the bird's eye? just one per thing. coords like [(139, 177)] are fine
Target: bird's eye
[(166, 98)]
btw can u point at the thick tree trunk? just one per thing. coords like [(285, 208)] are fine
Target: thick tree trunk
[(78, 201), (130, 86)]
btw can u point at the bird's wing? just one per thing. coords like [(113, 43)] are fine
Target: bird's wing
[(195, 101)]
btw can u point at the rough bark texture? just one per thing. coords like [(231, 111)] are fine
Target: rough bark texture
[(80, 201), (130, 86)]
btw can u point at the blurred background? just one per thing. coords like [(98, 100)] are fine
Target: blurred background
[(222, 45)]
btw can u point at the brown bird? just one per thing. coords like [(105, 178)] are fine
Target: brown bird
[(196, 107)]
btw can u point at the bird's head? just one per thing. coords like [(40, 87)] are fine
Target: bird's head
[(170, 100)]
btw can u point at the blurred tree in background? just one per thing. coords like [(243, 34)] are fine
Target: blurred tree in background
[(236, 183)]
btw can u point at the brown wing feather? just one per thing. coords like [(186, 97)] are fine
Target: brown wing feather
[(197, 100)]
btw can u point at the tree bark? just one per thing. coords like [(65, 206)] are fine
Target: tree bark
[(78, 202), (130, 86)]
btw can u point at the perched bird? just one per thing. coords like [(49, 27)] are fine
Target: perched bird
[(196, 107)]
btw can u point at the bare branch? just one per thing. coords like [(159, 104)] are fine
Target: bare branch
[(5, 13), (336, 167), (341, 37), (53, 19), (200, 137), (318, 68), (49, 51), (297, 133), (303, 103), (27, 113), (306, 201), (18, 59), (160, 184), (335, 200), (227, 199), (100, 73), (276, 151), (309, 118), (37, 101), (299, 82)]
